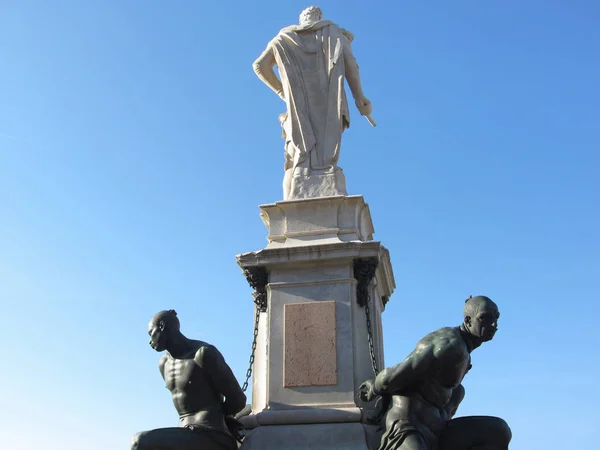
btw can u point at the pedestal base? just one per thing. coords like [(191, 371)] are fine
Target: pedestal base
[(323, 436), (317, 183), (317, 286), (317, 221), (320, 286)]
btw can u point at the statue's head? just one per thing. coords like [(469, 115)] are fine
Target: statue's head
[(481, 317), (162, 326), (310, 15)]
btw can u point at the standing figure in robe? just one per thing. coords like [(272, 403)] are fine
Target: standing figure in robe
[(313, 59)]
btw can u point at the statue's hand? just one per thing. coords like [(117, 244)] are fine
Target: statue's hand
[(235, 427), (367, 393), (364, 106)]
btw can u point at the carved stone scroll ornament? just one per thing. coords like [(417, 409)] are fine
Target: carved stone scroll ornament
[(258, 278), (364, 271)]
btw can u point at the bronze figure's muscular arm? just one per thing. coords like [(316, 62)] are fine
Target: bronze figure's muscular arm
[(458, 393), (402, 375), (433, 351), (221, 378), (161, 365)]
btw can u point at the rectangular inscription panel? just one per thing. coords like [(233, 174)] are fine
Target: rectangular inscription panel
[(309, 346)]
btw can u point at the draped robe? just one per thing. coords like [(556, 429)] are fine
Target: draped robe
[(310, 60)]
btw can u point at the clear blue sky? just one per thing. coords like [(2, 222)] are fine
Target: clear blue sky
[(136, 143)]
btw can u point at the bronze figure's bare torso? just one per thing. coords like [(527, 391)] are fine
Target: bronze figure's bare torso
[(421, 394), (205, 392)]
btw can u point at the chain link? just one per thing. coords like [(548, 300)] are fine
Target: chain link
[(364, 273), (257, 277), (370, 335), (251, 364)]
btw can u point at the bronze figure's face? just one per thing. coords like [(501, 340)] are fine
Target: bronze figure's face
[(158, 335), (483, 323)]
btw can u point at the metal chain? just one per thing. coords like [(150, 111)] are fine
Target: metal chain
[(257, 277), (370, 335), (249, 371)]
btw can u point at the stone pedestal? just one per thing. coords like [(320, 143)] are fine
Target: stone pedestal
[(322, 436), (316, 278), (317, 183)]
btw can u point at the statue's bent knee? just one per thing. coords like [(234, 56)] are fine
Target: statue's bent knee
[(136, 441), (504, 433)]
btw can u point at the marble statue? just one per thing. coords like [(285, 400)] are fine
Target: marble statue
[(420, 395), (205, 392), (313, 59)]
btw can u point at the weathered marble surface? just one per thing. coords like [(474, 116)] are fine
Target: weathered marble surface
[(313, 59), (313, 246), (317, 221), (309, 343)]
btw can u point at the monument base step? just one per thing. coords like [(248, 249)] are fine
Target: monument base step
[(322, 436)]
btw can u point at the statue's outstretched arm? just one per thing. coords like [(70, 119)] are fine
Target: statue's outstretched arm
[(222, 378), (353, 78), (352, 71), (263, 67)]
